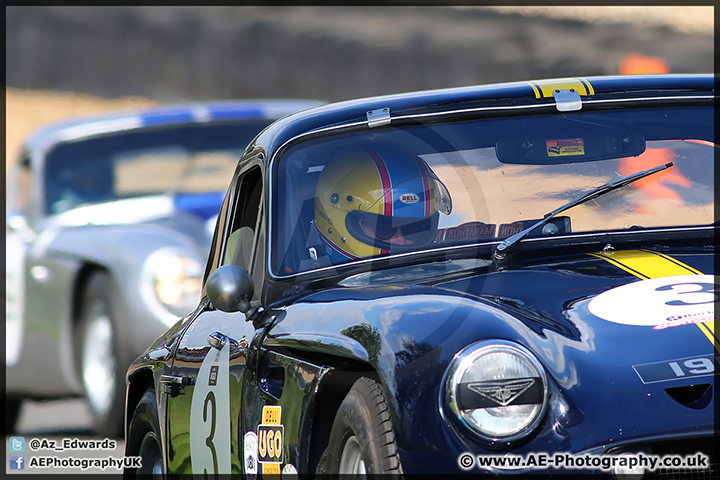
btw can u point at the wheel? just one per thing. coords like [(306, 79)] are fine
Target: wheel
[(98, 357), (143, 440), (13, 409), (362, 439)]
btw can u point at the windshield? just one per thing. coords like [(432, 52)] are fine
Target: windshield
[(185, 160), (375, 193)]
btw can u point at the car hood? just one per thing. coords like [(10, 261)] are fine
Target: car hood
[(637, 292), (630, 333), (626, 338)]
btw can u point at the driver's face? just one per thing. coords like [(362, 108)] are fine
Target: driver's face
[(394, 236)]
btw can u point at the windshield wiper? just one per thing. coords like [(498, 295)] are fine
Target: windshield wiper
[(502, 248)]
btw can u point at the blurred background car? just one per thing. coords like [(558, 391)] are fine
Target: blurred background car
[(109, 221)]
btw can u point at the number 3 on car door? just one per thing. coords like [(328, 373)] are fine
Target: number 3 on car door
[(210, 416)]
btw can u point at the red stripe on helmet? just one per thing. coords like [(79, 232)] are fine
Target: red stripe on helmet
[(385, 179)]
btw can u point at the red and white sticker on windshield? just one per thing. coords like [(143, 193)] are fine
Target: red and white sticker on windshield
[(659, 302)]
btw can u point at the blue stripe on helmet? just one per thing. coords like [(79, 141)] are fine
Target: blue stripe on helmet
[(406, 179)]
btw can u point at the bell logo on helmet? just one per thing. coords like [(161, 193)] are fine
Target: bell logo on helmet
[(409, 198)]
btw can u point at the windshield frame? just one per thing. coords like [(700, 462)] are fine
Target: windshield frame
[(449, 116)]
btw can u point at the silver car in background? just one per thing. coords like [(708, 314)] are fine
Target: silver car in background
[(109, 222)]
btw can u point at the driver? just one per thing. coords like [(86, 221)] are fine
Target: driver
[(376, 201)]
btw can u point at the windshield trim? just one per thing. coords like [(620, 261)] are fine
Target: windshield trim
[(551, 104), (359, 125)]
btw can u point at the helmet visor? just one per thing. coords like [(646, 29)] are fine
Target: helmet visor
[(392, 233)]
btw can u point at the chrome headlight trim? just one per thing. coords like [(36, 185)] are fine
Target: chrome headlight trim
[(497, 395), (171, 282)]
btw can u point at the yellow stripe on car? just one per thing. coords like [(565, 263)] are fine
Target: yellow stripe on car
[(545, 88), (708, 328), (646, 264)]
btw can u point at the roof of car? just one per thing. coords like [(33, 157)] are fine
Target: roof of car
[(195, 112), (428, 101)]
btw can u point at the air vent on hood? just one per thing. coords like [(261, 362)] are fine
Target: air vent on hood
[(692, 396)]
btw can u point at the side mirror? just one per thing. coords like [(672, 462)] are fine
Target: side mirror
[(230, 289)]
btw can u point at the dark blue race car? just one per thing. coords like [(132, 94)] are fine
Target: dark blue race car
[(508, 278)]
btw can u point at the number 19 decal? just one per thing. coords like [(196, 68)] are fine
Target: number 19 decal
[(210, 416), (690, 367)]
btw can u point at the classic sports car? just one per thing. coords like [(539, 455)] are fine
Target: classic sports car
[(463, 280), (106, 240)]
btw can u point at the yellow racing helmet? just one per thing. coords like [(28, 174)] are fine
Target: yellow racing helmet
[(368, 204)]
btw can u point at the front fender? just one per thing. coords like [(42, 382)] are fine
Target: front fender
[(408, 336), (123, 251), (146, 370)]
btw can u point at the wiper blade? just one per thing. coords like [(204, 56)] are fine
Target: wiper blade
[(502, 248)]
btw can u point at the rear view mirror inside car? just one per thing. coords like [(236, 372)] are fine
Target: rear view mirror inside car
[(570, 147)]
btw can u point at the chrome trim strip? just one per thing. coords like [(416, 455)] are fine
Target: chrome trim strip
[(552, 104), (474, 110)]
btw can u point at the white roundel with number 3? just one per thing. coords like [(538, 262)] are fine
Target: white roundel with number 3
[(659, 302), (210, 416)]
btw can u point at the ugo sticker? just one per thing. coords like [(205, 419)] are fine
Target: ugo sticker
[(270, 437), (660, 302)]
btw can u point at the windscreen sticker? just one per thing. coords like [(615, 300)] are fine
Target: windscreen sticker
[(565, 148), (270, 437), (466, 232), (210, 416)]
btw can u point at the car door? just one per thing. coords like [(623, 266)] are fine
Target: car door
[(205, 387)]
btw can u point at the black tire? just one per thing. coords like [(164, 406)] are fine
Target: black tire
[(143, 440), (362, 438), (98, 357), (13, 409)]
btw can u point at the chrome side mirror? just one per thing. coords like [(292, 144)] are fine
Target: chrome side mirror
[(230, 289)]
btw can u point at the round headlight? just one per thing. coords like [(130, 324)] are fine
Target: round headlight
[(497, 389), (175, 280)]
